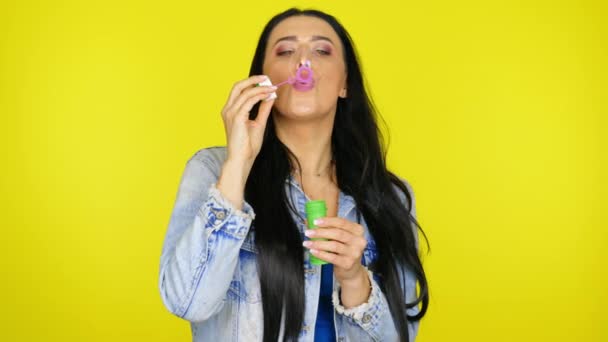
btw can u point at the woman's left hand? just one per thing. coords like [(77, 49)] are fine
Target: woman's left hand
[(344, 248)]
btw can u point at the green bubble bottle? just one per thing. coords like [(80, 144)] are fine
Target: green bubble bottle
[(315, 210)]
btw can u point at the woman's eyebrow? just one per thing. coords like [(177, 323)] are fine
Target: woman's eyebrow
[(295, 39)]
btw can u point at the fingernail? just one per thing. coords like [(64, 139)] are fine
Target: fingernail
[(271, 96), (274, 87), (306, 243), (318, 222), (309, 232)]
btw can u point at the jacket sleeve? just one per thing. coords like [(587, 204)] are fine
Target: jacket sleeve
[(201, 246), (372, 320)]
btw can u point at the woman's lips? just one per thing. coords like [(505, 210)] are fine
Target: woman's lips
[(300, 86)]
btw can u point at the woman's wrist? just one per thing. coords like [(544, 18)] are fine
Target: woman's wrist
[(356, 291), (232, 181)]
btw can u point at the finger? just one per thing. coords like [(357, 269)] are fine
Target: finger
[(337, 235), (336, 259), (246, 107), (359, 242), (264, 112), (341, 223), (247, 94), (236, 107), (259, 124), (332, 246), (238, 87), (330, 233)]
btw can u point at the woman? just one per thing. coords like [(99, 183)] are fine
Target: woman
[(236, 257)]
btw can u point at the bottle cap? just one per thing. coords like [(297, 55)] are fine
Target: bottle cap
[(314, 206)]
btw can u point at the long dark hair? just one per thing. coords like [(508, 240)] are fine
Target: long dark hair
[(359, 156)]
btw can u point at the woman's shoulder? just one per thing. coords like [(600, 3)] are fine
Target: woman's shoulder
[(212, 157)]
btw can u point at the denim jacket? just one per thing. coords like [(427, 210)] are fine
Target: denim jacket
[(208, 271)]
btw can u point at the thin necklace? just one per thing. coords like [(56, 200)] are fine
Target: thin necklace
[(331, 162), (320, 173)]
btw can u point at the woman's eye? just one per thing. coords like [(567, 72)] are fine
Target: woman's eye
[(284, 53), (323, 52)]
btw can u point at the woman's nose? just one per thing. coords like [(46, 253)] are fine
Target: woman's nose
[(305, 63), (303, 58)]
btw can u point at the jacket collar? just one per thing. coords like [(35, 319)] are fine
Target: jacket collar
[(346, 203)]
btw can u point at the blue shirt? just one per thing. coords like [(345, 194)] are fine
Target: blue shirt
[(324, 328), (208, 265)]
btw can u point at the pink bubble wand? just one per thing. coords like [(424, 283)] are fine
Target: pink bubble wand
[(303, 79), (303, 76)]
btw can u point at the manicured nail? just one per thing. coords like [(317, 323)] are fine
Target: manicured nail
[(314, 251), (306, 243), (318, 222), (309, 232), (271, 96)]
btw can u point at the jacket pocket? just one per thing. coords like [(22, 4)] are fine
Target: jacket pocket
[(245, 286)]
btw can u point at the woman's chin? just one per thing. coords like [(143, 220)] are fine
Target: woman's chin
[(302, 113), (301, 110)]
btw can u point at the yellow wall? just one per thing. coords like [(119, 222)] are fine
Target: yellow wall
[(496, 109)]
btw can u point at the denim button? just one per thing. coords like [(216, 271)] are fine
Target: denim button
[(220, 214), (367, 318)]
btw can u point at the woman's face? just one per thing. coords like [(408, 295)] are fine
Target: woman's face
[(291, 43)]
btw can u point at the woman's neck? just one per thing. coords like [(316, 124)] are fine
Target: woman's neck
[(310, 141)]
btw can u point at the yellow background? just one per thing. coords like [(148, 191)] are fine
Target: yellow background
[(497, 114)]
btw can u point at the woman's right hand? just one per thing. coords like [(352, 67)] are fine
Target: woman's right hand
[(244, 137)]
